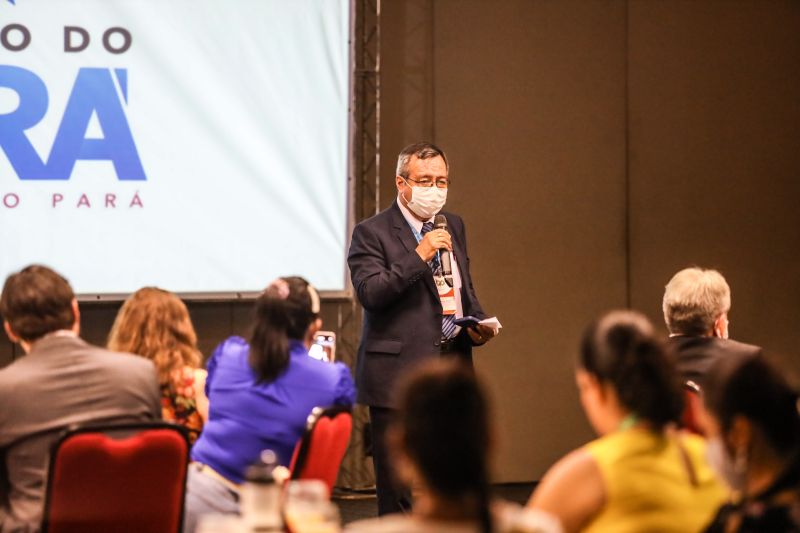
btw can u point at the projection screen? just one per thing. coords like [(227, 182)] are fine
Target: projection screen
[(196, 145)]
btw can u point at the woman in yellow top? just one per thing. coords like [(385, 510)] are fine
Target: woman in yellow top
[(640, 475)]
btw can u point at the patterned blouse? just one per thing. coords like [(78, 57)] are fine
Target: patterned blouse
[(179, 403)]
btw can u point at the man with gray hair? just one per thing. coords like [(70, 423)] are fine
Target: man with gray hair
[(696, 305)]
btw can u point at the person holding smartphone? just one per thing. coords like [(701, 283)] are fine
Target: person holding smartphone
[(260, 393)]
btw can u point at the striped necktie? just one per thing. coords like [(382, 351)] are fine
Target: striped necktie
[(434, 263), (448, 321)]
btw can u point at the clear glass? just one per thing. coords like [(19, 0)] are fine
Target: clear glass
[(308, 509), (220, 523), (260, 505)]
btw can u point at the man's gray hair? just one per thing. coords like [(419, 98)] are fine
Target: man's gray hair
[(694, 299), (422, 150)]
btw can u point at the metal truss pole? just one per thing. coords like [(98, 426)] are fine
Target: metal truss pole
[(367, 94), (356, 470)]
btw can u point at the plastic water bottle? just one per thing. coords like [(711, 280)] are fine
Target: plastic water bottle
[(261, 495)]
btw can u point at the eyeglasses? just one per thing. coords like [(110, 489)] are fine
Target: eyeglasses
[(441, 183)]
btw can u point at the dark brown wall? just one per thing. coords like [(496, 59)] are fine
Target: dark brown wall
[(715, 157), (596, 147), (407, 83), (535, 127)]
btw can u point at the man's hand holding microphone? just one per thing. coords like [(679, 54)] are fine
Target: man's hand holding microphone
[(436, 240), (432, 242)]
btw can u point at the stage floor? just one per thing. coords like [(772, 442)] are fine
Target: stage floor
[(356, 506)]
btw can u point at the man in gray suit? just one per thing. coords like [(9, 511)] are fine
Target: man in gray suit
[(61, 381), (696, 305)]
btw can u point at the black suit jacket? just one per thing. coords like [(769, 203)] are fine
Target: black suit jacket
[(694, 356), (402, 311)]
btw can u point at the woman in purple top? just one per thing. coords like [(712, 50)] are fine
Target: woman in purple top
[(260, 394)]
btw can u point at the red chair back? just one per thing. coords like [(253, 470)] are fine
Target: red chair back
[(693, 403), (320, 451), (126, 485)]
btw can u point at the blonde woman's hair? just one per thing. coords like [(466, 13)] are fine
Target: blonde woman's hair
[(694, 299), (155, 324)]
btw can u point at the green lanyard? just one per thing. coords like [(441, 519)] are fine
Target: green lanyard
[(628, 422)]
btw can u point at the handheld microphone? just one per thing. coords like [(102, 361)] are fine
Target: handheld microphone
[(440, 222)]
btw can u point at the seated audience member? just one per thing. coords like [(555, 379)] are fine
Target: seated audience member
[(696, 305), (440, 444), (60, 381), (260, 394), (155, 324), (640, 475), (754, 445)]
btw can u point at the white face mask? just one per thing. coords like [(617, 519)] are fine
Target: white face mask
[(723, 464), (426, 201)]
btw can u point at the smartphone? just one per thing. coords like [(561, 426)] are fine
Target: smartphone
[(324, 347), (467, 321)]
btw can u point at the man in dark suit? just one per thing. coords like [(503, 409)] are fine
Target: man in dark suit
[(696, 305), (60, 382), (409, 308)]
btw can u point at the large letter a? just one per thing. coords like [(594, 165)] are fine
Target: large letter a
[(94, 92)]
